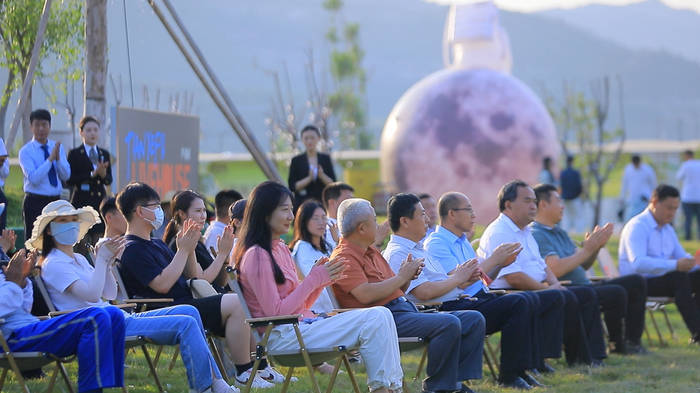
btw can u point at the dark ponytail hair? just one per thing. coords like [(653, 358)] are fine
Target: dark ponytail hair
[(47, 244), (255, 229), (301, 222), (180, 202)]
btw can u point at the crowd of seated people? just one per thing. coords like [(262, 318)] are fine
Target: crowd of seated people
[(523, 277)]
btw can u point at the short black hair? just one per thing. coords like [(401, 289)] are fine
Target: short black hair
[(509, 193), (237, 209), (133, 195), (400, 205), (87, 119), (663, 191), (448, 201), (310, 127), (689, 153), (546, 162), (223, 200), (108, 205), (40, 114), (569, 160), (333, 190), (636, 159), (543, 192), (424, 195)]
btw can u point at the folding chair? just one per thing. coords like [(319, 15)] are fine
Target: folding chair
[(24, 361), (129, 341), (653, 304), (303, 357)]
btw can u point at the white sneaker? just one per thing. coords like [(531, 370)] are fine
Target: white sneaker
[(220, 386), (271, 375), (258, 383)]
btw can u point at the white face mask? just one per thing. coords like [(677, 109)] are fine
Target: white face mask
[(159, 217), (65, 233)]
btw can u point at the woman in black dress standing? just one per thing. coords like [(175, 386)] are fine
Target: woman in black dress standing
[(310, 171)]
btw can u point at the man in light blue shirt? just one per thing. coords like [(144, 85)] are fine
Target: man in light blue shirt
[(649, 246), (44, 165), (509, 314)]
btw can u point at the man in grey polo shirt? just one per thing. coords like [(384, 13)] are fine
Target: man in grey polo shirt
[(622, 299)]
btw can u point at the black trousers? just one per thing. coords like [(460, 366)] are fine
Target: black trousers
[(31, 209), (512, 316), (623, 301), (3, 216), (691, 210), (547, 324), (685, 289), (583, 329)]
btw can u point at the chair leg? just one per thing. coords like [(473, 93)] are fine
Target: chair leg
[(217, 358), (52, 380), (156, 359), (153, 370), (287, 379), (656, 327), (307, 359), (494, 359), (351, 374), (670, 327), (421, 363), (334, 374), (64, 374), (2, 378), (489, 363), (646, 333), (174, 359)]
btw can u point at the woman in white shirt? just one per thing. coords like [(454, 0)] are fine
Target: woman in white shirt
[(309, 245), (73, 283)]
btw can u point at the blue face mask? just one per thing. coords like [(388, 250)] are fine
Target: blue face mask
[(65, 233)]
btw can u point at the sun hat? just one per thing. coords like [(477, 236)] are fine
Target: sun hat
[(87, 216)]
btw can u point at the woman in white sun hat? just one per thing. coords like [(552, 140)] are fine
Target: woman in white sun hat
[(73, 283)]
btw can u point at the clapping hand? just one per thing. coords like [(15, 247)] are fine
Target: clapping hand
[(224, 242), (188, 236), (55, 152), (111, 249), (335, 267), (506, 253), (7, 240), (101, 169), (335, 234), (466, 272), (411, 268), (20, 266)]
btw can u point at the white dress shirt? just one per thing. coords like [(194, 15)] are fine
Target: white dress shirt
[(689, 175), (305, 256), (36, 168), (397, 251), (529, 261), (637, 183), (647, 248)]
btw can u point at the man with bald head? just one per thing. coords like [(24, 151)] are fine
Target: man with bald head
[(455, 339)]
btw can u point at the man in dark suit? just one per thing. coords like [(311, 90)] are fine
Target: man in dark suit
[(310, 171), (90, 172)]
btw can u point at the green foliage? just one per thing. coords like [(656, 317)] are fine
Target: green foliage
[(61, 50), (348, 102)]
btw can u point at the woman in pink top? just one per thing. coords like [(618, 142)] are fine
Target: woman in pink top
[(271, 287)]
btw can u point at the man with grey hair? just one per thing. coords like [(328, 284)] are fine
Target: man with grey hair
[(455, 339)]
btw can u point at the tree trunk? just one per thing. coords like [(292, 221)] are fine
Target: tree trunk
[(27, 110), (5, 104), (96, 64), (598, 205)]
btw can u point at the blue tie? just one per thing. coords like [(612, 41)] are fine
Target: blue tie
[(52, 172)]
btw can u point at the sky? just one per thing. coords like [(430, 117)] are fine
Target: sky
[(540, 5)]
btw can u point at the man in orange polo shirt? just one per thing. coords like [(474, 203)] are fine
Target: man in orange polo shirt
[(455, 339)]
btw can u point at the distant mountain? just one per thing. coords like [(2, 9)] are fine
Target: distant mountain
[(402, 41), (646, 25)]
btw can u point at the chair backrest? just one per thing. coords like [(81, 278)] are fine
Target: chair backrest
[(122, 295), (607, 264), (232, 277), (43, 291)]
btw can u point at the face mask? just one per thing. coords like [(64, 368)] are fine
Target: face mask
[(160, 216), (65, 233)]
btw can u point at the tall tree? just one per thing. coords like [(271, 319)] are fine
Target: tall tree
[(96, 63), (349, 99), (61, 49)]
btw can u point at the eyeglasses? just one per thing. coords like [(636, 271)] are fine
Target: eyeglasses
[(466, 209), (151, 204)]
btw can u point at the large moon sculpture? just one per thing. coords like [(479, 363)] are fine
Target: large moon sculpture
[(466, 130)]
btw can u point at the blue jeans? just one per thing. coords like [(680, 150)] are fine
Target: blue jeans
[(94, 334), (179, 325)]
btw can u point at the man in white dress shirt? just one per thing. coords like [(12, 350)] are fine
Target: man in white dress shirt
[(222, 202), (583, 331), (333, 195), (638, 180), (649, 246), (689, 175), (44, 165)]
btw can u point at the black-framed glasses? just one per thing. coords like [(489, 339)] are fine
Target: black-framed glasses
[(466, 209)]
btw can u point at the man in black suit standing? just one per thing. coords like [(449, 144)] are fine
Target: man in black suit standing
[(90, 172)]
